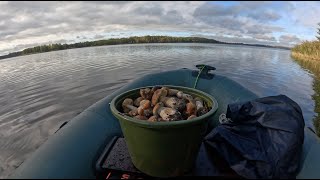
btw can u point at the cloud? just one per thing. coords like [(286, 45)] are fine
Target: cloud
[(255, 10), (265, 38), (248, 40), (289, 39), (246, 17), (306, 14), (109, 2), (265, 16), (148, 10), (23, 23), (214, 10), (97, 36)]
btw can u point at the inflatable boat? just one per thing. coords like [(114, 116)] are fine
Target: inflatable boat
[(74, 149)]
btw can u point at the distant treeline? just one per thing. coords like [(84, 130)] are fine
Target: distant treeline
[(115, 41)]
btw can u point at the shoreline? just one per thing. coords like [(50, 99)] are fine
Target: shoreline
[(304, 57), (124, 41), (312, 64)]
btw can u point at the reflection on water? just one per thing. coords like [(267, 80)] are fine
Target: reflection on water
[(39, 92), (314, 67)]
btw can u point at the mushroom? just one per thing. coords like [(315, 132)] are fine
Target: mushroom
[(132, 113), (148, 112), (137, 101), (145, 108), (154, 88), (157, 94), (153, 118), (167, 114), (141, 117), (156, 108), (144, 104), (171, 92), (191, 108), (173, 102), (164, 104), (191, 117), (199, 103), (201, 110), (146, 93), (128, 108), (182, 95)]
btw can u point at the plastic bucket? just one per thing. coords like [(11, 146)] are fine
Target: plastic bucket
[(163, 149)]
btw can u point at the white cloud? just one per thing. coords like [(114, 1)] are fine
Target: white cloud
[(23, 24), (289, 39), (306, 13)]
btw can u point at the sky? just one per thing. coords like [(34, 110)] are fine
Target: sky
[(26, 24)]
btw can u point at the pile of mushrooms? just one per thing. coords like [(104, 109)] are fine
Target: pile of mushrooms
[(164, 104)]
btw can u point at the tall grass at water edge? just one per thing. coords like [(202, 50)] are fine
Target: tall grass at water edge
[(307, 55)]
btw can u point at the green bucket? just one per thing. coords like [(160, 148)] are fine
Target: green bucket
[(163, 149)]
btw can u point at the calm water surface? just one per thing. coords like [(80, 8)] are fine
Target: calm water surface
[(39, 92)]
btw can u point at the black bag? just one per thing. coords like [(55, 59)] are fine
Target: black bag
[(263, 138)]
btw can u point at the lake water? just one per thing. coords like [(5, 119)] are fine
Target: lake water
[(39, 92)]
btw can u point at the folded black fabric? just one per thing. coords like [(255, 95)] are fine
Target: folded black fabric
[(262, 139)]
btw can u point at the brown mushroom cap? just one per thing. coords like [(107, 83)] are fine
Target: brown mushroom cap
[(133, 112), (145, 112), (182, 95), (154, 88), (141, 117), (165, 91), (153, 118), (146, 93), (156, 108), (137, 101), (191, 108), (157, 94), (145, 104), (140, 111), (172, 92), (191, 117), (127, 105)]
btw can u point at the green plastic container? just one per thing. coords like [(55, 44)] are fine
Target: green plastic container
[(163, 149)]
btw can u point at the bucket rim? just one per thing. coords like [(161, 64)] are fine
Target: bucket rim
[(172, 124)]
